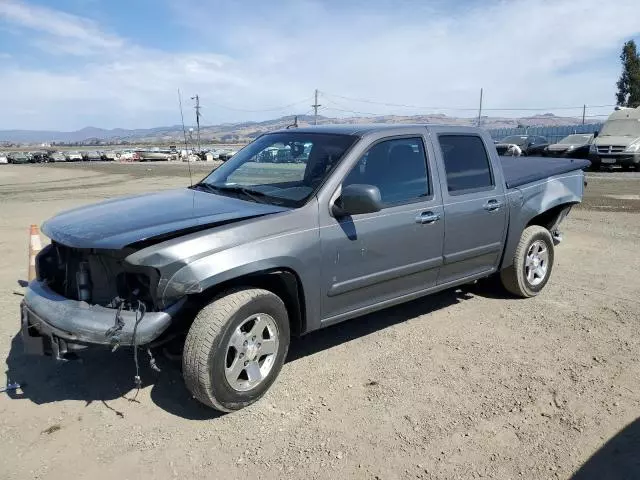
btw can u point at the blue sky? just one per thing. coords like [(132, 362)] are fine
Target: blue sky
[(113, 63)]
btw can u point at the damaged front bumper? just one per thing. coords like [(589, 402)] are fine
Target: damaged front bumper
[(54, 325)]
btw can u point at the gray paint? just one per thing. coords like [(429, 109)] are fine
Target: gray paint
[(122, 221), (80, 322), (346, 267)]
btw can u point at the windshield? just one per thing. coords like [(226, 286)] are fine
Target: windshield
[(575, 140), (624, 127), (283, 168), (515, 139)]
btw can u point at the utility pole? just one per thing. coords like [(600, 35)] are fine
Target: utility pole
[(197, 107), (315, 108), (480, 109), (584, 111)]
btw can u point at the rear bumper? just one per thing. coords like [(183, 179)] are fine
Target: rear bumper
[(54, 325)]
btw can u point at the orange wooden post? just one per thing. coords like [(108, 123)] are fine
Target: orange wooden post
[(34, 247)]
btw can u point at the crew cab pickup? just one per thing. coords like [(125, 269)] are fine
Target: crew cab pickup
[(366, 218)]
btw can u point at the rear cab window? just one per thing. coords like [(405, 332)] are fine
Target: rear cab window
[(466, 164)]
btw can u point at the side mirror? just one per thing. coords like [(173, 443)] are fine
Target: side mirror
[(595, 134), (357, 199)]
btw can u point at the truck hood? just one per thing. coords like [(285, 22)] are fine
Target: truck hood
[(615, 140), (117, 223)]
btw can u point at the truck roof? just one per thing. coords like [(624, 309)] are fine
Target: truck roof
[(625, 113), (366, 128)]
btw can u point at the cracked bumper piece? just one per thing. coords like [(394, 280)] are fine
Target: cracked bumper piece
[(54, 325)]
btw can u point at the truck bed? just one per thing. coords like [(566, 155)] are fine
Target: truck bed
[(520, 170)]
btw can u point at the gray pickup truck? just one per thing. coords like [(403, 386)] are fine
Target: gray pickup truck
[(363, 218)]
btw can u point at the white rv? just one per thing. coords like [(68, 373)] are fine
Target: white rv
[(618, 141)]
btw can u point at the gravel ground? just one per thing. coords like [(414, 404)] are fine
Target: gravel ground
[(463, 384)]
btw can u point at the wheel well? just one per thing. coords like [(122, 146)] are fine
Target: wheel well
[(284, 282), (552, 217)]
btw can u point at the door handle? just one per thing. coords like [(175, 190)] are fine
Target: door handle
[(492, 205), (427, 218)]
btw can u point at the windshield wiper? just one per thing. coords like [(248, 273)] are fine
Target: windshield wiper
[(247, 192)]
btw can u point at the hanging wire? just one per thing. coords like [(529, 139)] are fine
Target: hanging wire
[(272, 109), (471, 109)]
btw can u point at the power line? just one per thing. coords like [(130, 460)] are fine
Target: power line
[(352, 111), (388, 104), (273, 109), (359, 112)]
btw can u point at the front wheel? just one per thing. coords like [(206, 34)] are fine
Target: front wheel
[(235, 348), (532, 263)]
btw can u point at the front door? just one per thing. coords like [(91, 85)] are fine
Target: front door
[(370, 258)]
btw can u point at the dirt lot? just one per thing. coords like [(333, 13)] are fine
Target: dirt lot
[(464, 384)]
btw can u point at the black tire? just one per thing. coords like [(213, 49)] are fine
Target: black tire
[(205, 349), (514, 278)]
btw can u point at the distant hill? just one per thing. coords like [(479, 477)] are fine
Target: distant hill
[(246, 131)]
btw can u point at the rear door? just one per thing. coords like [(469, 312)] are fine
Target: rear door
[(373, 258), (475, 212)]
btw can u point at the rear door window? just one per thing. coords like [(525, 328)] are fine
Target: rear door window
[(466, 163)]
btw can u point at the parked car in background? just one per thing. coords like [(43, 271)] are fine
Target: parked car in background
[(4, 158), (212, 155), (226, 155), (58, 157), (41, 156), (92, 155), (74, 156), (155, 154), (572, 146), (129, 156), (111, 155), (19, 158), (526, 145), (618, 142)]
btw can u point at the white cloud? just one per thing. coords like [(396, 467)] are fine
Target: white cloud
[(59, 27), (525, 53)]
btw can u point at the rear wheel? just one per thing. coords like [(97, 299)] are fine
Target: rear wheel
[(532, 263), (235, 348)]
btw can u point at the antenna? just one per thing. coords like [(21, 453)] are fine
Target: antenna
[(184, 132)]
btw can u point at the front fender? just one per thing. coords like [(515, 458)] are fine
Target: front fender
[(207, 272)]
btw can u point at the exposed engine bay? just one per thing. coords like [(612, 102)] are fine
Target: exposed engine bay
[(99, 277)]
